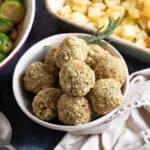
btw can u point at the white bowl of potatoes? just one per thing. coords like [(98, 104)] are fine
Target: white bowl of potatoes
[(57, 80), (132, 35)]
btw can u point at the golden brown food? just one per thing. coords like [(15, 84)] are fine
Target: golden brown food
[(95, 14), (95, 54), (71, 48), (76, 78), (111, 68), (45, 103), (37, 77), (50, 62), (50, 59), (73, 110), (105, 96), (76, 66)]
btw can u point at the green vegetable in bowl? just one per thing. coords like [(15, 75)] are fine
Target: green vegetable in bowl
[(5, 43), (2, 56), (12, 10), (6, 25)]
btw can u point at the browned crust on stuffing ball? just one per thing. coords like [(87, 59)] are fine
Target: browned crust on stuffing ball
[(37, 77), (105, 96), (50, 60), (111, 68), (45, 103), (74, 110), (71, 48), (76, 78), (96, 54)]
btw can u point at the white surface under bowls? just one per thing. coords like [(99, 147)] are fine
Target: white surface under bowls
[(24, 31), (37, 52)]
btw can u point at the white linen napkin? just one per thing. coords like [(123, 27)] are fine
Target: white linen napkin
[(129, 131)]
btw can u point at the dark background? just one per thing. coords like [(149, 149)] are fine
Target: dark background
[(26, 134)]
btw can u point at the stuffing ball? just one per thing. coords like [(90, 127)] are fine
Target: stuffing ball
[(45, 103), (50, 60), (37, 77), (73, 110), (71, 48), (76, 78), (96, 54), (105, 96), (111, 68), (50, 63)]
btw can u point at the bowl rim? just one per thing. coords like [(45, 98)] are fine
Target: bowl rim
[(19, 46), (112, 38), (57, 126)]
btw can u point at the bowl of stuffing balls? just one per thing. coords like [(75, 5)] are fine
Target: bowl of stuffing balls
[(16, 19), (67, 83)]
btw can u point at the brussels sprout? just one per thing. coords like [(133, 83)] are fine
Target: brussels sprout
[(5, 43), (12, 10), (6, 25), (2, 56)]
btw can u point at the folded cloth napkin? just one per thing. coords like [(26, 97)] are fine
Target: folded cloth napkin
[(129, 129)]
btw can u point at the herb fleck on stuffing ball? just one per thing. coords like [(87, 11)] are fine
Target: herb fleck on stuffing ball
[(45, 103), (111, 68), (105, 96), (73, 110), (37, 77), (71, 48), (76, 78), (96, 54)]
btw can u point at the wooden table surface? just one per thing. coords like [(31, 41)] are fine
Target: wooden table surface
[(28, 135)]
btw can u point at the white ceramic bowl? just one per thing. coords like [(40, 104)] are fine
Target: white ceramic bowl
[(125, 46), (25, 29), (37, 52)]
